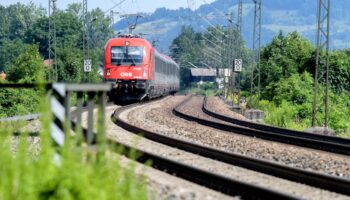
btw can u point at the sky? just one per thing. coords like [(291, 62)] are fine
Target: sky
[(129, 6)]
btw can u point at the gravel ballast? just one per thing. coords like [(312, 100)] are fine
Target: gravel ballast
[(157, 117), (166, 123), (164, 185)]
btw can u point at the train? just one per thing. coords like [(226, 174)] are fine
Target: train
[(137, 70)]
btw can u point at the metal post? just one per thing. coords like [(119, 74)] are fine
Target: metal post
[(90, 106), (239, 18), (112, 14), (52, 40), (239, 53), (85, 36), (101, 129), (255, 74), (78, 128), (322, 58), (112, 18), (230, 56), (238, 45)]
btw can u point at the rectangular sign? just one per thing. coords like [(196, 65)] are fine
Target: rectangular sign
[(238, 65), (87, 65)]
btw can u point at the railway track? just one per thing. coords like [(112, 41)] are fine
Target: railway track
[(226, 185), (322, 142), (211, 180), (319, 142)]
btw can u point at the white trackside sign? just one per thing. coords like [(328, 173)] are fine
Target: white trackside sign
[(238, 65), (87, 65)]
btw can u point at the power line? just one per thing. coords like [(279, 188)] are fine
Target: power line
[(206, 30), (217, 10), (215, 45), (207, 21), (117, 4)]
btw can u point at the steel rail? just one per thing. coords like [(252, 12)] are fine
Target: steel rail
[(323, 181), (321, 142)]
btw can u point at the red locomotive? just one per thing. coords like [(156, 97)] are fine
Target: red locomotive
[(137, 70)]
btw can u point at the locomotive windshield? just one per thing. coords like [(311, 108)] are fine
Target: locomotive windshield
[(126, 55)]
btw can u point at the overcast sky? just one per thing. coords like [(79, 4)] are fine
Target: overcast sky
[(129, 6)]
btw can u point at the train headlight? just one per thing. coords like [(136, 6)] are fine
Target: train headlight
[(145, 73), (108, 72)]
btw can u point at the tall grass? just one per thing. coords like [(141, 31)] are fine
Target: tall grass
[(78, 174)]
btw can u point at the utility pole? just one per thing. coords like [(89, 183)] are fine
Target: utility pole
[(237, 82), (229, 89), (322, 59), (255, 74), (86, 50), (52, 40), (239, 18)]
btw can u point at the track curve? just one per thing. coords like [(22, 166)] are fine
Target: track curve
[(319, 180)]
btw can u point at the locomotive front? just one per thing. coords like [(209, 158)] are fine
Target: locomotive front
[(128, 67)]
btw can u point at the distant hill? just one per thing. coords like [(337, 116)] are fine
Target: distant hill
[(287, 15)]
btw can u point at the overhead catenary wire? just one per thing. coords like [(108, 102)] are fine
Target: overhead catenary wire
[(211, 55), (217, 10), (206, 30), (214, 51), (207, 21), (204, 19), (216, 45), (114, 6)]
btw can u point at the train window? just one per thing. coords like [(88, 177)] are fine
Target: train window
[(126, 55)]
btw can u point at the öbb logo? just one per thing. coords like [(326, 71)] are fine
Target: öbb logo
[(125, 74)]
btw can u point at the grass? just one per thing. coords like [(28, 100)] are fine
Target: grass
[(78, 174)]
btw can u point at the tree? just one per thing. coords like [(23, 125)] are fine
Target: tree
[(297, 89), (184, 49), (284, 56), (28, 67), (19, 18), (339, 71), (9, 52)]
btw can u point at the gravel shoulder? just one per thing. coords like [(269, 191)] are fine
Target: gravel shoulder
[(218, 106)]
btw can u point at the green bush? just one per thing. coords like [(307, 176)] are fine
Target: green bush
[(18, 102), (288, 114)]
